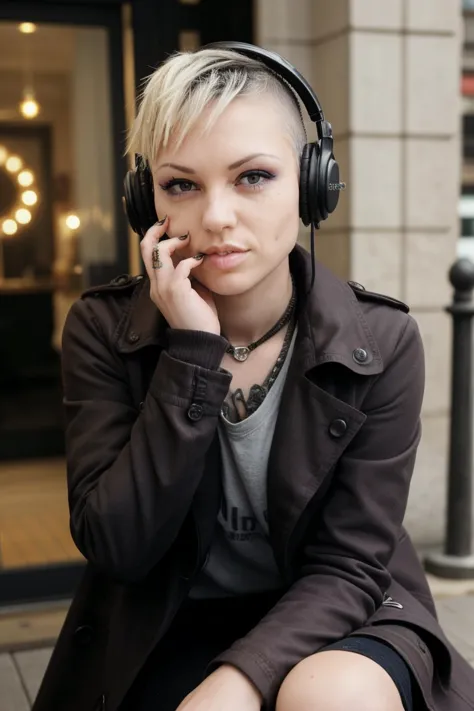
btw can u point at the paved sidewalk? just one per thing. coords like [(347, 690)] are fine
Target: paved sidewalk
[(21, 671)]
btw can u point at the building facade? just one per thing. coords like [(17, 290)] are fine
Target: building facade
[(388, 77)]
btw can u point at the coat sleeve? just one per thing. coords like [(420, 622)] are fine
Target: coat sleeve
[(132, 475), (342, 573)]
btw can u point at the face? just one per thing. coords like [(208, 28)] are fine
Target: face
[(234, 189)]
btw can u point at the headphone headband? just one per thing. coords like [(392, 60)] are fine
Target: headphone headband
[(285, 70), (319, 170)]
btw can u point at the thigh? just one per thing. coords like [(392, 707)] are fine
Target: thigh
[(386, 657)]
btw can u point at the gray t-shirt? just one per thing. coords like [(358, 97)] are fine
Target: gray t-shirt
[(241, 559)]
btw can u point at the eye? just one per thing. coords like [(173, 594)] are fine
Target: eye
[(256, 178), (178, 186)]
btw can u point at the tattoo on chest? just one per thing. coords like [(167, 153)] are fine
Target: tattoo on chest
[(236, 407)]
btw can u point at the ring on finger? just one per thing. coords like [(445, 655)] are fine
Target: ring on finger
[(156, 262)]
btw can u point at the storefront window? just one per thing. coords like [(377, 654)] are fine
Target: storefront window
[(57, 225)]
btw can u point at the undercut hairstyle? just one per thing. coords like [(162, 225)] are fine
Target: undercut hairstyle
[(176, 94)]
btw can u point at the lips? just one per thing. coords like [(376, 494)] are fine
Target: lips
[(222, 252)]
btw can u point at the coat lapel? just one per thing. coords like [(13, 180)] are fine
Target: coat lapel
[(316, 421)]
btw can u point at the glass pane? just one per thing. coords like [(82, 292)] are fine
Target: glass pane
[(56, 228)]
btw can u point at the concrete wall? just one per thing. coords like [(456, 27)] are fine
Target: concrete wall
[(388, 75)]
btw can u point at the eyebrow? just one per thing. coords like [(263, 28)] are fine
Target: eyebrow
[(232, 166)]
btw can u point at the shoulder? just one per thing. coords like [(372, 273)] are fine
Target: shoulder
[(103, 307), (119, 287), (372, 297), (390, 321)]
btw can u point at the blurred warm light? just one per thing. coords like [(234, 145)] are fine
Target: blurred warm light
[(26, 178), (73, 222), (27, 28), (9, 227), (13, 164), (29, 107), (3, 154), (29, 197), (23, 216)]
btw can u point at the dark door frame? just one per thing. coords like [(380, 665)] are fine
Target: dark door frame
[(159, 22)]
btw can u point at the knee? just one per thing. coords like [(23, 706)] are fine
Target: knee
[(336, 681)]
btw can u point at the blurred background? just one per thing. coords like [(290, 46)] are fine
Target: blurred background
[(396, 80)]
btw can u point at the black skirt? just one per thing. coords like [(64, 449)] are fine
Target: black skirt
[(203, 629)]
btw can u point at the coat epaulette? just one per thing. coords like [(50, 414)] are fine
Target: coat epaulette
[(120, 283), (364, 295)]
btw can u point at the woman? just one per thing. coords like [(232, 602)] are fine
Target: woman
[(241, 441)]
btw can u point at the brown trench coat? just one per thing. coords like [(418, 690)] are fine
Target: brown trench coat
[(144, 488)]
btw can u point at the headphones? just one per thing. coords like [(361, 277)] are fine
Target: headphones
[(319, 170)]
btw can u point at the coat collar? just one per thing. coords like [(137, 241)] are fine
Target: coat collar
[(331, 324)]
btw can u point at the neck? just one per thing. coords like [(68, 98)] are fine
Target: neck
[(247, 317)]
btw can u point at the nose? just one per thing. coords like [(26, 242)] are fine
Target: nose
[(219, 213)]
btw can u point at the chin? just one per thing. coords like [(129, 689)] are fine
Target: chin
[(227, 284)]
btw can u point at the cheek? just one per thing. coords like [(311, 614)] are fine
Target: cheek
[(284, 214)]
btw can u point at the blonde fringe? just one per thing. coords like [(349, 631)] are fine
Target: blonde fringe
[(175, 96)]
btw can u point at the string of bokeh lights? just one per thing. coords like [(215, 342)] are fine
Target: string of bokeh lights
[(27, 196)]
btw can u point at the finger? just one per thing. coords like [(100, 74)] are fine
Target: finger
[(152, 236), (157, 255), (185, 267), (155, 232), (162, 255)]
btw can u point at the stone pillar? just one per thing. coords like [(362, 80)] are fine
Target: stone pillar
[(388, 75)]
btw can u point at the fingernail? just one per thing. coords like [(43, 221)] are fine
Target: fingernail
[(162, 222), (184, 237), (199, 256)]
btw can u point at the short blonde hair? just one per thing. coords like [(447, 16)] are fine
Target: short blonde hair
[(176, 94)]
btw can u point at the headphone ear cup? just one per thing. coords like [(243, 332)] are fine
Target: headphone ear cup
[(328, 179), (139, 200), (131, 210), (305, 209), (147, 194)]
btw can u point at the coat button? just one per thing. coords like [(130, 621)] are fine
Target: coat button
[(121, 280), (83, 635), (133, 337), (195, 412), (337, 428), (360, 355), (422, 646)]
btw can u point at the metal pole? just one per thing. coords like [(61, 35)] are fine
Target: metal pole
[(457, 560)]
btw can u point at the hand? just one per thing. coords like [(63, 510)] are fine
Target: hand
[(184, 305), (226, 689)]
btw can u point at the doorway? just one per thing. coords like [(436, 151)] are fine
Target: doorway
[(62, 229)]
